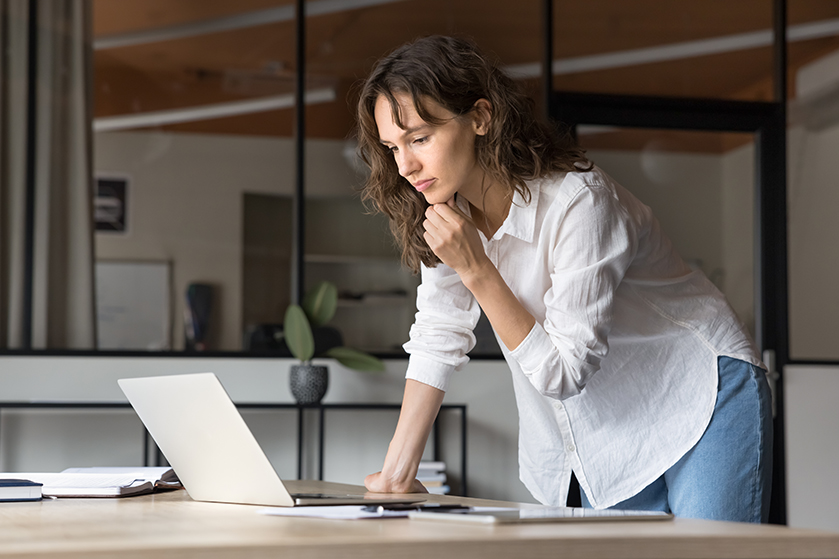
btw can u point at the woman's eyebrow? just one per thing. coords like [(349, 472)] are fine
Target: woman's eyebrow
[(413, 129), (408, 132)]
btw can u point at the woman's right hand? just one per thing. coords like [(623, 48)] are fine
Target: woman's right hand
[(379, 483)]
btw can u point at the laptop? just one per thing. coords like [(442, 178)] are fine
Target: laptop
[(202, 435)]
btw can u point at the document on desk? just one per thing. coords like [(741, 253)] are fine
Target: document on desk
[(73, 484), (355, 512), (339, 512)]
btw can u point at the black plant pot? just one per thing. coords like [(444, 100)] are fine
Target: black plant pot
[(309, 383)]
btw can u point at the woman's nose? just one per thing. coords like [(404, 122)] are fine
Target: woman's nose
[(407, 163)]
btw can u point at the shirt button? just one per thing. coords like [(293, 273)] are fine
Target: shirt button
[(558, 405), (571, 448)]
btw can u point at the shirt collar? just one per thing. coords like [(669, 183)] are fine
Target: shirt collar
[(521, 219)]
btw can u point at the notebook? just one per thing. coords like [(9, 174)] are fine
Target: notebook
[(202, 435)]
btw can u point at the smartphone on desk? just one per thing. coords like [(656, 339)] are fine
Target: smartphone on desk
[(496, 515)]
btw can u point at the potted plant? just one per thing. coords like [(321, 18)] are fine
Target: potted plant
[(309, 382)]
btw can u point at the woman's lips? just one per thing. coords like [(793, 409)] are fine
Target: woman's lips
[(422, 185)]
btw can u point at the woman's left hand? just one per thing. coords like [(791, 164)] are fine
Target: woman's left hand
[(454, 238)]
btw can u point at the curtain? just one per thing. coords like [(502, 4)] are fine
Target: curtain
[(61, 282)]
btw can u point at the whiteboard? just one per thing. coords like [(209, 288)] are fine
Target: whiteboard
[(133, 302)]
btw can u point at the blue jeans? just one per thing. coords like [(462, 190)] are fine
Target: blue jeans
[(727, 475)]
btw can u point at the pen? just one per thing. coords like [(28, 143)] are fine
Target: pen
[(407, 507)]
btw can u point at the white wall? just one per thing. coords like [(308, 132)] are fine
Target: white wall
[(51, 440), (185, 205), (812, 446)]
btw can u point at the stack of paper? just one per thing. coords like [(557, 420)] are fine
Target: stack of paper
[(432, 475)]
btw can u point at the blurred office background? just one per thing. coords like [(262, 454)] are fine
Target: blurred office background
[(160, 141)]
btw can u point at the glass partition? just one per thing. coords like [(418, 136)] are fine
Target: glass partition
[(813, 227), (194, 146), (194, 118), (813, 140), (194, 108)]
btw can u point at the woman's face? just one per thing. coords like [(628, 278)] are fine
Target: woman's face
[(437, 159)]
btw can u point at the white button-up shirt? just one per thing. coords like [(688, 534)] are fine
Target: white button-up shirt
[(617, 379)]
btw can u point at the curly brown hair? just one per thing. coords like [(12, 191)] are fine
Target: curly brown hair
[(453, 73)]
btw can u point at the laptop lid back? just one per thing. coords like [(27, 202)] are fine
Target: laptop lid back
[(205, 439)]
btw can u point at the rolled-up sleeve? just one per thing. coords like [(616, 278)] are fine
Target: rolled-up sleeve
[(442, 333), (591, 249)]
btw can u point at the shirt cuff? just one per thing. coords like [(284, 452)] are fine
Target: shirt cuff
[(430, 372), (533, 350)]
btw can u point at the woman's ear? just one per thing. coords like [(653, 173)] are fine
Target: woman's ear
[(481, 116)]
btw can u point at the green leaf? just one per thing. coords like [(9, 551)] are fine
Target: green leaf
[(354, 359), (298, 333), (320, 303)]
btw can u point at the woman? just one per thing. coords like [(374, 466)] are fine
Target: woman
[(629, 369)]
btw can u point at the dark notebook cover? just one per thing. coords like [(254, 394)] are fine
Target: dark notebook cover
[(19, 490)]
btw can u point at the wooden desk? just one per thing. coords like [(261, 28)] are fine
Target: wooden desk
[(170, 525)]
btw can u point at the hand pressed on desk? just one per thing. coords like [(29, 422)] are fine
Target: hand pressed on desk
[(379, 483), (420, 405)]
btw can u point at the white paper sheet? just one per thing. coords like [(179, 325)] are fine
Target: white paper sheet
[(349, 512)]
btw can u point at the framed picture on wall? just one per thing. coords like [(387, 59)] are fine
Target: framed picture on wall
[(111, 204)]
